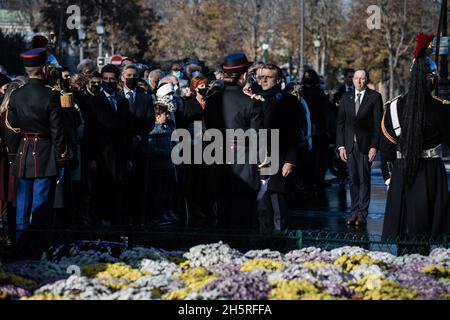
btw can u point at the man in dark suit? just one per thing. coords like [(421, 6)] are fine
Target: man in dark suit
[(346, 87), (108, 142), (142, 121), (358, 135), (281, 112)]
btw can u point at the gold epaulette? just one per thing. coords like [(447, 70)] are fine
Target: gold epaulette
[(392, 100), (443, 101)]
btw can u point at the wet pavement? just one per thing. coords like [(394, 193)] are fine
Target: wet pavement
[(330, 213)]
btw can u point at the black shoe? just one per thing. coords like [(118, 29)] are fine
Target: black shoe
[(352, 220), (170, 216), (360, 221)]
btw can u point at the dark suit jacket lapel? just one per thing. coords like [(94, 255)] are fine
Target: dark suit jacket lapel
[(352, 104), (106, 103)]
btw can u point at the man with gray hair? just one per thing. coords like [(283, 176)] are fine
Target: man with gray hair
[(86, 66), (358, 136), (153, 80)]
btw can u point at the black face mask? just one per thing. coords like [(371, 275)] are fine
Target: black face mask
[(131, 83), (109, 87), (95, 89), (65, 83), (202, 91), (308, 82)]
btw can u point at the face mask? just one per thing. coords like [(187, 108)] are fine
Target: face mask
[(196, 74), (308, 81), (65, 84), (177, 74), (202, 91), (109, 87), (131, 83), (95, 89)]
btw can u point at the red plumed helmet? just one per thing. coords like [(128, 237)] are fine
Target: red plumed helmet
[(423, 41)]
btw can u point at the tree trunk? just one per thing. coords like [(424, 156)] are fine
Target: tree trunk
[(324, 58), (391, 76)]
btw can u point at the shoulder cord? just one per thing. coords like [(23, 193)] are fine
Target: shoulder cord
[(15, 130)]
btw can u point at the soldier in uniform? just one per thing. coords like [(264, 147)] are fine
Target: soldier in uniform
[(414, 126), (35, 110), (235, 184)]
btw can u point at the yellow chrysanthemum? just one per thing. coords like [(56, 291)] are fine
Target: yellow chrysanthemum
[(262, 264), (10, 278), (298, 290), (114, 271), (348, 263), (196, 278), (440, 272), (377, 287), (177, 294), (46, 296), (315, 265)]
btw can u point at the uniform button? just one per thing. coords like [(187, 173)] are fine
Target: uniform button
[(34, 153), (21, 153), (35, 139), (24, 139)]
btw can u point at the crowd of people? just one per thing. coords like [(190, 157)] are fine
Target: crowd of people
[(95, 148)]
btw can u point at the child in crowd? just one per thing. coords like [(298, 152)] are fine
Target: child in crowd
[(161, 169)]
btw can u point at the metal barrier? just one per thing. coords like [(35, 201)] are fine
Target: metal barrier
[(37, 240)]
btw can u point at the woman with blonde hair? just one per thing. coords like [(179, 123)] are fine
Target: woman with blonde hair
[(9, 137)]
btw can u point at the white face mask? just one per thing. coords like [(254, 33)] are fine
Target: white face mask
[(177, 74), (170, 98)]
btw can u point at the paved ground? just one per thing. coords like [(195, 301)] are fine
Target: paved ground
[(330, 213)]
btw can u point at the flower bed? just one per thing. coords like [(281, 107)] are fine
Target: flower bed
[(109, 271)]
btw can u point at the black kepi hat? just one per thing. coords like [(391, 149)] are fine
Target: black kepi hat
[(235, 63), (34, 57)]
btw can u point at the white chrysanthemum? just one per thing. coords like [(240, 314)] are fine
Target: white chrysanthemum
[(212, 254), (75, 287), (136, 255), (263, 254), (373, 270), (156, 268), (350, 251)]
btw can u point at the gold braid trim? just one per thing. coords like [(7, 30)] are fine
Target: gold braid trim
[(385, 132), (15, 130)]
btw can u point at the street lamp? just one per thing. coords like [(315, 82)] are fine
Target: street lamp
[(81, 38), (317, 46), (100, 29), (266, 47)]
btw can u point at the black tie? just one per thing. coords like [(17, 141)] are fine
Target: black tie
[(358, 103), (113, 103)]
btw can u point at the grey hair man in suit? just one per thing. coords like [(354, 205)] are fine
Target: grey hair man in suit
[(358, 135)]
